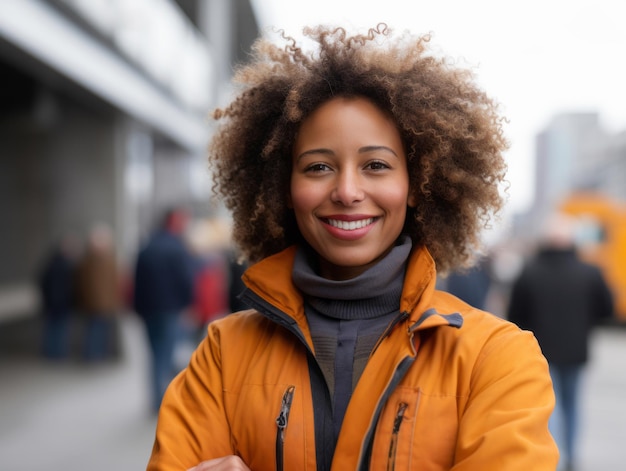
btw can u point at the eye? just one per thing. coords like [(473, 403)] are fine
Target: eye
[(377, 165), (317, 168)]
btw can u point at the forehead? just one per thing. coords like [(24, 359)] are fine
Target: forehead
[(346, 105), (349, 118)]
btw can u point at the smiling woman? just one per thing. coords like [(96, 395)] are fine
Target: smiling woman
[(354, 173)]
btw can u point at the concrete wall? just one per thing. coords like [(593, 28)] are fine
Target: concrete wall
[(77, 167), (56, 176), (71, 156)]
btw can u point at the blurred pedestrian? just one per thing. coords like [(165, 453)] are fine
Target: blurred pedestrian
[(99, 294), (163, 294), (208, 239), (211, 289), (472, 284), (56, 287), (560, 299)]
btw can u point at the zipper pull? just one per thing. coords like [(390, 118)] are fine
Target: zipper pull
[(281, 422), (285, 407), (399, 416), (393, 446)]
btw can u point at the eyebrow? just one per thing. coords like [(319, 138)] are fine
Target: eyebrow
[(365, 149), (362, 150)]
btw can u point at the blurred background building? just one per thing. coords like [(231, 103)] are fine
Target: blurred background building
[(103, 117), (581, 170), (573, 154)]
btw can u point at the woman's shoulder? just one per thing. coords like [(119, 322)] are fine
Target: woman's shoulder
[(248, 324), (478, 325), (238, 320)]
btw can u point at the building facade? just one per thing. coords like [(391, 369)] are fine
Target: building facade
[(573, 153), (103, 119)]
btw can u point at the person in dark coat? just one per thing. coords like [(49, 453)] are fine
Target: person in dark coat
[(56, 288), (163, 291), (560, 299)]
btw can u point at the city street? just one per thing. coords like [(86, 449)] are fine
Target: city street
[(70, 417)]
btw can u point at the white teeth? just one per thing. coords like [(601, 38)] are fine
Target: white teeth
[(350, 225)]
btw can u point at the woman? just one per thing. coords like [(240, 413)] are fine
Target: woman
[(353, 175)]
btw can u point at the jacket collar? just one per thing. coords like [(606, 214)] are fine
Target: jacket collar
[(417, 296), (270, 279)]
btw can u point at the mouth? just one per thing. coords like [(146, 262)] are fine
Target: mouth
[(349, 225)]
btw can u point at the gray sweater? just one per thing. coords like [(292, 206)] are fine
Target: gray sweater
[(347, 317)]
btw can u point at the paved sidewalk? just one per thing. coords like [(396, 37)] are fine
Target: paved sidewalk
[(603, 421), (76, 417), (70, 417)]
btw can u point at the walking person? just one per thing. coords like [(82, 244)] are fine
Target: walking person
[(58, 298), (354, 173), (98, 294), (163, 291), (560, 299)]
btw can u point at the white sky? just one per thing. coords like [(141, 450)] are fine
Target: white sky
[(537, 58)]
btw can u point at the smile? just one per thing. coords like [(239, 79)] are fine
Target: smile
[(350, 225)]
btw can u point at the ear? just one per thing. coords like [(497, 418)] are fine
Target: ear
[(412, 200)]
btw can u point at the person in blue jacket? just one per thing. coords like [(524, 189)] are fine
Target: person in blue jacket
[(163, 291)]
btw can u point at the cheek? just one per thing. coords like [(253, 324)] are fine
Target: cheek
[(301, 198), (398, 196)]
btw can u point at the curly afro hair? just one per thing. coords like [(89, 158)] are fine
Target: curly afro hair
[(451, 130)]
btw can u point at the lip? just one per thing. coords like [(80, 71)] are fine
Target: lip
[(350, 227), (348, 217)]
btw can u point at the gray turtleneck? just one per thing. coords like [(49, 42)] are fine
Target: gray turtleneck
[(347, 317)]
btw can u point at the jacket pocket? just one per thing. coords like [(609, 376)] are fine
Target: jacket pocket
[(281, 423), (421, 435)]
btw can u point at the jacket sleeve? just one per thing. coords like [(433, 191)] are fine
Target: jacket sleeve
[(192, 426), (504, 424)]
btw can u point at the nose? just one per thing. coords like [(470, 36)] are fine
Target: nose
[(348, 188)]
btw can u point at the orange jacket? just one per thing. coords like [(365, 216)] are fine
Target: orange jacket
[(448, 387)]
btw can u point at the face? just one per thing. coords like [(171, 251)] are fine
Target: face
[(349, 185)]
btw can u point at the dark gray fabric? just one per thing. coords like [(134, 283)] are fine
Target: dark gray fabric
[(560, 299), (368, 295), (347, 317)]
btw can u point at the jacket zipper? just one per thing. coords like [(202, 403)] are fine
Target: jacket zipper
[(279, 317), (393, 446), (366, 450), (281, 422)]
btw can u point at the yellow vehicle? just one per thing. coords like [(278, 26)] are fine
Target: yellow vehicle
[(602, 239)]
